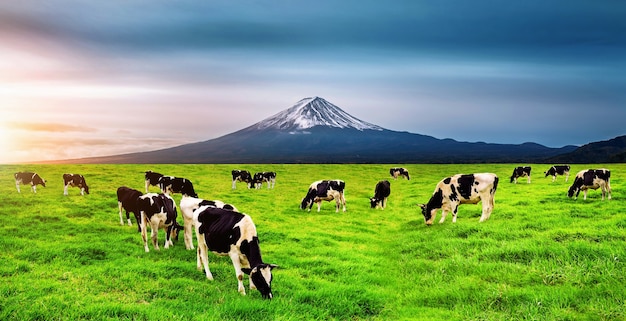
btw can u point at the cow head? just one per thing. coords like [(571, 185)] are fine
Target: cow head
[(374, 202), (86, 188), (574, 189), (38, 180), (429, 216), (306, 202), (261, 277)]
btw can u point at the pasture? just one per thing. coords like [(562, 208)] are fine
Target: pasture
[(541, 256)]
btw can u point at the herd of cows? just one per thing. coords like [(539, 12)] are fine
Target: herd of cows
[(222, 229)]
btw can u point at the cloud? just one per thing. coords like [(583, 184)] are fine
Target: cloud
[(50, 127)]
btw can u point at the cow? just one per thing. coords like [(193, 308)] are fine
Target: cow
[(241, 176), (152, 178), (261, 177), (226, 232), (399, 171), (325, 190), (452, 191), (558, 170), (591, 179), (381, 193), (521, 171), (158, 210), (171, 184), (24, 178), (188, 205), (75, 180), (127, 199)]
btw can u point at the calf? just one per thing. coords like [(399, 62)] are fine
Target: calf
[(241, 176), (325, 190), (75, 180), (231, 233), (152, 178), (591, 179), (521, 171), (399, 171), (461, 189), (188, 205), (127, 199), (158, 210), (25, 178), (558, 170), (260, 178), (171, 184), (381, 192)]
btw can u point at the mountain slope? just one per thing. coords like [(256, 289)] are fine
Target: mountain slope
[(316, 131), (607, 151)]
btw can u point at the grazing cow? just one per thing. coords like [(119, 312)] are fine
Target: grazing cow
[(381, 192), (521, 171), (231, 233), (241, 176), (171, 184), (127, 199), (461, 189), (188, 205), (24, 178), (259, 178), (591, 179), (152, 178), (325, 190), (158, 210), (558, 170), (75, 180), (399, 171)]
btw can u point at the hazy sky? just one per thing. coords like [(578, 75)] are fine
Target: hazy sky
[(92, 78)]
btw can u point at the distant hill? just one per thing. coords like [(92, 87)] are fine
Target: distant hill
[(607, 151), (316, 131)]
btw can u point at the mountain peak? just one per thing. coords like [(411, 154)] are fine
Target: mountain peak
[(310, 112)]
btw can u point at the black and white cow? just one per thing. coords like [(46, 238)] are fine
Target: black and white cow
[(399, 171), (158, 210), (152, 178), (171, 184), (226, 232), (521, 171), (325, 190), (26, 178), (461, 189), (591, 179), (241, 176), (188, 205), (75, 180), (262, 177), (558, 170), (381, 193), (127, 199)]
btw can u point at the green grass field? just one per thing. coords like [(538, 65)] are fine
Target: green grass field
[(541, 256)]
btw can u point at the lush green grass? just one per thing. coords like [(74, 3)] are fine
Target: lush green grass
[(541, 256)]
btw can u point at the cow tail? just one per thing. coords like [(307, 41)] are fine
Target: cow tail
[(495, 185)]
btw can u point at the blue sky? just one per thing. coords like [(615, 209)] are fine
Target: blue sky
[(92, 78)]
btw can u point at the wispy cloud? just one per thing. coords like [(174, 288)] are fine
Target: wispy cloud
[(51, 127)]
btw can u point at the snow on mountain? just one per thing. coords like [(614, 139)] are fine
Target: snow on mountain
[(310, 112)]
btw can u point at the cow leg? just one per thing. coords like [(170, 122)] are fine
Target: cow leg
[(65, 190), (319, 206), (234, 185), (202, 256), (144, 234), (34, 188), (82, 191), (138, 218), (168, 236), (443, 215), (554, 178), (487, 209), (608, 189), (585, 195), (528, 179), (17, 185), (454, 213), (119, 205), (154, 234), (147, 186), (188, 225), (234, 257)]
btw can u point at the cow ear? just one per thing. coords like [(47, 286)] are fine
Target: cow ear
[(246, 270), (272, 266)]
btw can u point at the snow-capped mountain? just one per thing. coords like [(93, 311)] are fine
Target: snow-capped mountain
[(310, 112), (327, 134)]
